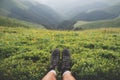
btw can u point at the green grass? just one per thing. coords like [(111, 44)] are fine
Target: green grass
[(113, 23), (25, 53), (10, 22)]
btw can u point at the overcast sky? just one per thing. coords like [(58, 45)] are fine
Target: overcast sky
[(54, 2), (62, 5)]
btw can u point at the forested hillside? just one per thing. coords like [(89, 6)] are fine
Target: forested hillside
[(30, 11)]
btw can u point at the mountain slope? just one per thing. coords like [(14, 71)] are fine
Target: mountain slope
[(97, 24), (99, 14), (115, 9), (9, 22), (30, 11), (76, 10)]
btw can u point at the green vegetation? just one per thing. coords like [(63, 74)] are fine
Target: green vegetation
[(8, 22), (97, 24), (25, 53)]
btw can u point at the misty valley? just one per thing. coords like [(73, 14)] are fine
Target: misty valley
[(31, 29), (42, 14)]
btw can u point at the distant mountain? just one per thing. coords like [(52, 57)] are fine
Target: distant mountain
[(115, 9), (99, 14), (30, 11), (95, 15), (76, 10)]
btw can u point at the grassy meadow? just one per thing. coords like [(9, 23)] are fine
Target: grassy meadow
[(25, 52)]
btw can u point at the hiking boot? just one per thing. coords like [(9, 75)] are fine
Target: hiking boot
[(66, 60), (55, 57)]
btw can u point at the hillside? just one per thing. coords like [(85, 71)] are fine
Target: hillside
[(9, 22), (78, 9), (30, 11), (99, 14), (114, 9), (93, 14), (97, 24), (25, 53)]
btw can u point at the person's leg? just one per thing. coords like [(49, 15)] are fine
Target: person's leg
[(51, 75), (66, 62), (67, 76)]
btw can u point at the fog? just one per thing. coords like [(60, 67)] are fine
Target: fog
[(81, 2), (62, 6), (61, 3)]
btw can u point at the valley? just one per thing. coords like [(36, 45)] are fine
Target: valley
[(31, 29)]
